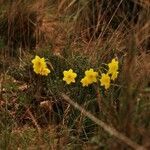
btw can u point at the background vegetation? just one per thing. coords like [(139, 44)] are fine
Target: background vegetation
[(77, 34)]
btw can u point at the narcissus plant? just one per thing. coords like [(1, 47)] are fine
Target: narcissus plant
[(90, 77), (105, 80), (85, 81), (113, 69), (69, 76), (39, 66)]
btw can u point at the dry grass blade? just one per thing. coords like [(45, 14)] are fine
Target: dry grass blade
[(143, 3), (34, 120), (70, 5), (106, 127), (111, 19)]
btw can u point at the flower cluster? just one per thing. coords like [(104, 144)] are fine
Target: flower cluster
[(110, 75), (39, 66), (91, 76)]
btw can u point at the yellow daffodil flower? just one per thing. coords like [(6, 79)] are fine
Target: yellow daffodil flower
[(85, 81), (44, 72), (113, 67), (69, 76), (114, 75), (91, 75), (105, 81), (39, 66)]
